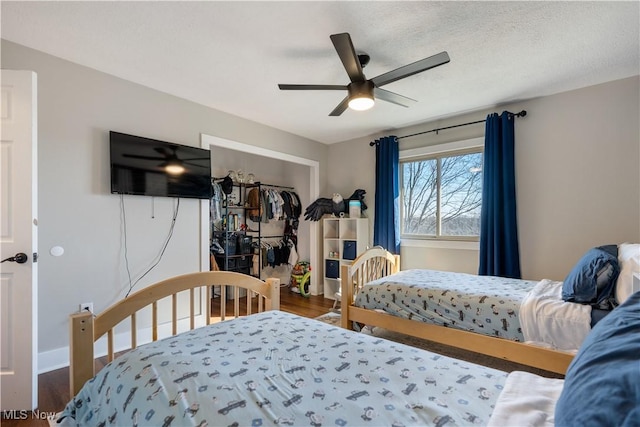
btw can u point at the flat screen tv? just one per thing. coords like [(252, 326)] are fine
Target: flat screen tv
[(149, 167)]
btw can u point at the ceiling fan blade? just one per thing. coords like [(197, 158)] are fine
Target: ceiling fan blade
[(340, 108), (171, 151), (136, 156), (411, 69), (196, 165), (393, 97), (347, 54), (312, 87)]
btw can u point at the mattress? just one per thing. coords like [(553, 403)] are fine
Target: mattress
[(276, 368), (483, 304)]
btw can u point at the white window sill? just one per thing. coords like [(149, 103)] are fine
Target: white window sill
[(440, 244)]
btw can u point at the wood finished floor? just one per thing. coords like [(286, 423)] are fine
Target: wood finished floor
[(53, 387)]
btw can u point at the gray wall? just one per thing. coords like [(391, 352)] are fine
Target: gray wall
[(578, 177), (77, 106)]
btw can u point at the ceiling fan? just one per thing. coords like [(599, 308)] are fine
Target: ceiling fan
[(169, 160), (363, 91)]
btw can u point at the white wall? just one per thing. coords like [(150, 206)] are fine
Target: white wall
[(578, 176), (77, 106)]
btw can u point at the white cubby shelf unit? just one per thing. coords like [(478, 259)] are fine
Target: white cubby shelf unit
[(338, 234)]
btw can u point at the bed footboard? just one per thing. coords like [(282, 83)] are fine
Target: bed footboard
[(85, 329), (525, 354)]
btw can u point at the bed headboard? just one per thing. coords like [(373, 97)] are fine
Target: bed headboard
[(85, 329), (372, 264)]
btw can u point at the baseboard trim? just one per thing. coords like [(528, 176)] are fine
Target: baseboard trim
[(59, 358)]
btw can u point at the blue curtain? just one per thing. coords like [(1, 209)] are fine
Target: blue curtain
[(499, 253), (386, 228)]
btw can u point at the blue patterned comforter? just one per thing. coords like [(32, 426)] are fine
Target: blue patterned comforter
[(276, 368), (483, 304)]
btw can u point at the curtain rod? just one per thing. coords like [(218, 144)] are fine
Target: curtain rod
[(520, 114)]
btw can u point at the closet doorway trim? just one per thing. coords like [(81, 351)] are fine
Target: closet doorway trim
[(206, 141)]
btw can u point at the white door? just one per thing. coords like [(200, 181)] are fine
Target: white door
[(19, 280)]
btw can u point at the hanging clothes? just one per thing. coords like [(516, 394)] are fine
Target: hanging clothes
[(255, 206), (264, 200), (215, 203), (293, 254), (271, 203), (276, 254), (291, 204)]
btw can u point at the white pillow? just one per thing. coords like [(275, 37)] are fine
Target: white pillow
[(629, 259)]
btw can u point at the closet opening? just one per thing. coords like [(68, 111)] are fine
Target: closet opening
[(270, 167)]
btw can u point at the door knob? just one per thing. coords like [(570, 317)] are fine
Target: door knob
[(20, 258)]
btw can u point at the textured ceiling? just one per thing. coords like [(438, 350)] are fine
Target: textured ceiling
[(231, 55)]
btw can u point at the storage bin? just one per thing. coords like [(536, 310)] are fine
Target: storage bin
[(233, 263), (332, 269), (226, 264), (349, 250), (229, 244), (245, 261), (244, 244)]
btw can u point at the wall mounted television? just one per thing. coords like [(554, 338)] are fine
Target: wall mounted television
[(149, 167)]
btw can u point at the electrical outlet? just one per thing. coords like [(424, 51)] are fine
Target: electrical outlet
[(86, 306)]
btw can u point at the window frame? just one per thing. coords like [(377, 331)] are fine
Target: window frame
[(467, 146)]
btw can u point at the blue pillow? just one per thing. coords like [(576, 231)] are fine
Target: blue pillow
[(602, 386), (612, 249), (592, 280)]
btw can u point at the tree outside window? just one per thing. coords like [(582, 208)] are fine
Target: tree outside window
[(442, 195)]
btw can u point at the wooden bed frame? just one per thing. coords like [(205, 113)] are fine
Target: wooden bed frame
[(376, 263), (85, 329)]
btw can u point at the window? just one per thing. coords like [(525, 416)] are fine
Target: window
[(441, 194)]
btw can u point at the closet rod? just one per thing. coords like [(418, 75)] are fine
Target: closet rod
[(213, 178), (520, 114), (276, 186)]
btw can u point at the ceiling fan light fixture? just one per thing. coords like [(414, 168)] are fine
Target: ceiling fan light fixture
[(361, 103), (361, 95), (174, 167)]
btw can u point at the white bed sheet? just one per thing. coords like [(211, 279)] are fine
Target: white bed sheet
[(548, 321), (526, 400)]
